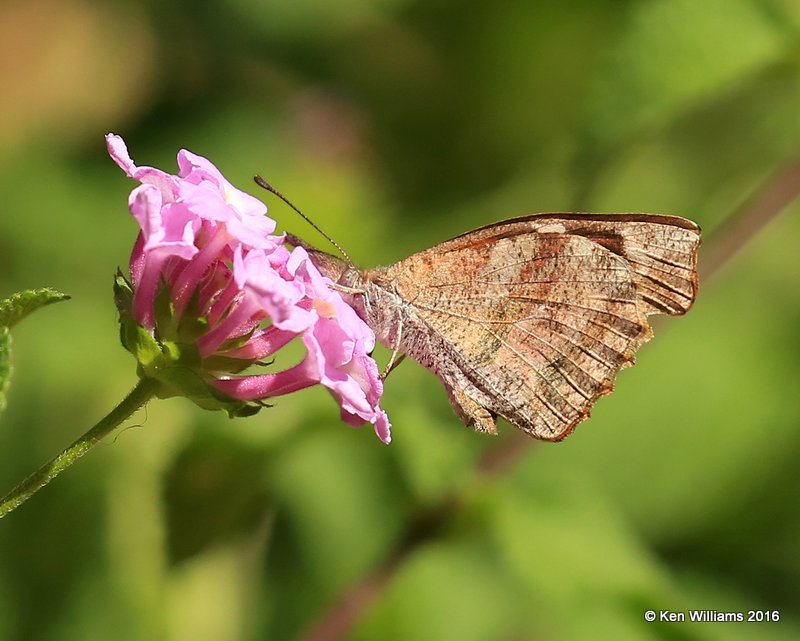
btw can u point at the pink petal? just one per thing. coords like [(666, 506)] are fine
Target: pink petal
[(250, 388), (263, 343), (167, 229), (279, 298), (119, 154)]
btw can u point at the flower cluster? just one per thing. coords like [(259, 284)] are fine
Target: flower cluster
[(213, 291)]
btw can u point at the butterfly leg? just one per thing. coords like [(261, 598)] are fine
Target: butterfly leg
[(394, 361), (345, 289)]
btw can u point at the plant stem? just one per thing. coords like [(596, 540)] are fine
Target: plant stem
[(138, 396)]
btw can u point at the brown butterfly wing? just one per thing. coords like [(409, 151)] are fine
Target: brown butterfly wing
[(661, 250), (531, 319)]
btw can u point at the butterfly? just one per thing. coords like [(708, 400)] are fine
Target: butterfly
[(531, 318)]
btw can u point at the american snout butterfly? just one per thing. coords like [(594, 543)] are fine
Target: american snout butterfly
[(531, 318)]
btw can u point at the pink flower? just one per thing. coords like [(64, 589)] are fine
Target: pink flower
[(338, 344), (214, 292)]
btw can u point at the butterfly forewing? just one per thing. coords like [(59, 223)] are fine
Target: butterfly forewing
[(661, 250)]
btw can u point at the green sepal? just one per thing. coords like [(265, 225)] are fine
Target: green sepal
[(164, 315), (176, 366), (123, 299), (235, 343), (192, 324), (226, 364), (247, 409)]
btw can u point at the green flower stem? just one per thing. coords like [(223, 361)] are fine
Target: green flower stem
[(138, 396)]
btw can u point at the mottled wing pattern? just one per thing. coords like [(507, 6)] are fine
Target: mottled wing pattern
[(543, 312), (661, 250), (539, 330)]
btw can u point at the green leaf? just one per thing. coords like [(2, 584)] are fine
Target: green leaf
[(5, 365), (21, 304), (12, 310)]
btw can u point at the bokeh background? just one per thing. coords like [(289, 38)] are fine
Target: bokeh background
[(397, 124)]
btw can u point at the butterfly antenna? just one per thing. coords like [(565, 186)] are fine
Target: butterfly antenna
[(265, 185)]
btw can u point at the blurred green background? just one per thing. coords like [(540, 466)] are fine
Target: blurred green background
[(396, 124)]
